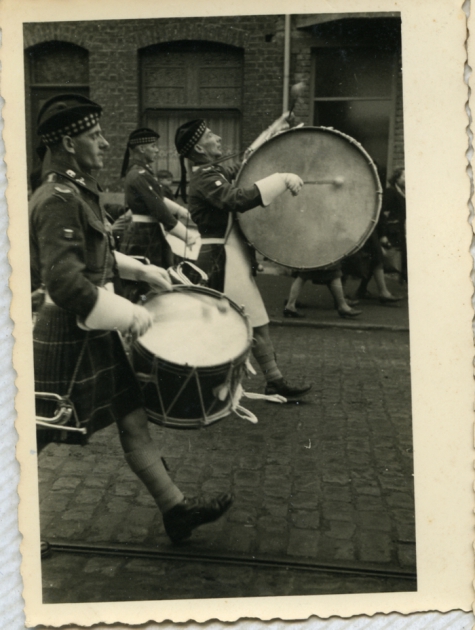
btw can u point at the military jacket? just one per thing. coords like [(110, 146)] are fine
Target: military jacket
[(212, 196), (71, 242), (144, 195)]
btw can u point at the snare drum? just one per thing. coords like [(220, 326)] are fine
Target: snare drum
[(334, 213), (191, 362)]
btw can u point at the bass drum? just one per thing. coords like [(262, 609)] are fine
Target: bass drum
[(334, 213)]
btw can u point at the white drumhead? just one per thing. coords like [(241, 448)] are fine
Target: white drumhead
[(194, 327)]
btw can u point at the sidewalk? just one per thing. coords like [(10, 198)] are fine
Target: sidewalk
[(326, 484), (319, 310)]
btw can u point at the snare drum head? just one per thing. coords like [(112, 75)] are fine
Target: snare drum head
[(194, 326), (334, 213)]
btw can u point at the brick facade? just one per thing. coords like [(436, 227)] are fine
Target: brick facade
[(114, 78)]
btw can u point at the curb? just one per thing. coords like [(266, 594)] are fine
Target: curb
[(336, 324)]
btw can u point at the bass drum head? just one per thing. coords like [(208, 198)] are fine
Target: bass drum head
[(334, 213), (195, 326)]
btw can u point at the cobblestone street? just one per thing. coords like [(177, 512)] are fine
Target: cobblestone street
[(326, 483)]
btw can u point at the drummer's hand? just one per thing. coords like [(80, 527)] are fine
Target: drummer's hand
[(293, 182), (156, 277), (282, 123), (141, 321), (191, 238)]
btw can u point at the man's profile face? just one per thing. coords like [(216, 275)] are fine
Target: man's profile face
[(210, 144), (89, 149), (150, 151)]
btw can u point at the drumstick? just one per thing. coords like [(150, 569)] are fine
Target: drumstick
[(337, 181)]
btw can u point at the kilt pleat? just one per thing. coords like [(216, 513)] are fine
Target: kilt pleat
[(104, 389), (147, 239)]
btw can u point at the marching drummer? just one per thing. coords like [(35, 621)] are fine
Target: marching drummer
[(224, 254), (145, 196), (77, 349)]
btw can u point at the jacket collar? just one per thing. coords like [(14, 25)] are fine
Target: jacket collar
[(70, 171), (137, 160)]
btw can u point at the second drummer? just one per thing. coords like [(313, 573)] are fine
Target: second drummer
[(224, 254), (145, 197)]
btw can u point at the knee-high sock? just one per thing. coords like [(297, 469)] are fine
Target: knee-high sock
[(264, 354), (147, 464)]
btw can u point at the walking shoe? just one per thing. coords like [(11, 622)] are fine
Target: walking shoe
[(283, 388), (348, 314), (183, 518), (293, 314)]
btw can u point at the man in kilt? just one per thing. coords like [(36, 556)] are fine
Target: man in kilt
[(78, 352), (225, 255), (145, 196)]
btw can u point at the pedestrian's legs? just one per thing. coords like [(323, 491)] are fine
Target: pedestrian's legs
[(145, 460), (380, 280), (264, 353), (295, 290), (344, 309)]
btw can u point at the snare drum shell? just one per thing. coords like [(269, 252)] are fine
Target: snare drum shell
[(185, 396), (334, 213)]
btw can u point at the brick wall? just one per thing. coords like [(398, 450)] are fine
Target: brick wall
[(115, 79), (114, 68)]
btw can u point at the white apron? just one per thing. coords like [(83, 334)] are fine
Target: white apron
[(239, 283)]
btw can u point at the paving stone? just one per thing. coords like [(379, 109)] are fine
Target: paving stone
[(305, 520), (97, 481), (89, 496), (335, 511), (336, 493), (407, 555), (237, 515), (371, 503), (406, 532), (105, 566), (247, 478), (303, 501), (78, 513), (379, 521), (400, 500), (337, 477), (374, 547), (341, 530), (66, 483), (303, 542)]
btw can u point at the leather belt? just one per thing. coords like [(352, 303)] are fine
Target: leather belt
[(143, 218), (213, 241)]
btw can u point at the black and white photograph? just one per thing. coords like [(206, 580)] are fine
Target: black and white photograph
[(270, 148), (220, 297)]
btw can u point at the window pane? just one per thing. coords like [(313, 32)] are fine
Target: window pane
[(366, 121), (58, 63), (353, 72)]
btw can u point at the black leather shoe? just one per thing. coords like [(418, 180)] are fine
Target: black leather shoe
[(283, 388), (183, 518), (389, 300), (348, 314), (294, 314)]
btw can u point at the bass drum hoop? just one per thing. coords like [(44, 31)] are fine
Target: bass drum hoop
[(371, 225)]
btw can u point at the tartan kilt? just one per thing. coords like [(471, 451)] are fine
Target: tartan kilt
[(212, 260), (105, 388), (147, 239)]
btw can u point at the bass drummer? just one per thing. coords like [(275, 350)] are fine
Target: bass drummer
[(225, 256), (78, 353)]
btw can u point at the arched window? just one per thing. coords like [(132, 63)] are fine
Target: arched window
[(185, 80), (51, 68)]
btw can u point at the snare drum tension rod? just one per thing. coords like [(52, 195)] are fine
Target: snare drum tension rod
[(337, 181)]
